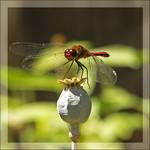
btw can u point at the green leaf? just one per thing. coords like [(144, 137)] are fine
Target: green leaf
[(120, 126), (114, 98), (19, 79)]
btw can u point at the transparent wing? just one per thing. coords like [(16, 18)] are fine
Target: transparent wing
[(33, 52), (27, 49), (46, 60), (43, 58), (105, 74)]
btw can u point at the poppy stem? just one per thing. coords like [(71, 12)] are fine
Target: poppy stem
[(74, 135), (73, 145)]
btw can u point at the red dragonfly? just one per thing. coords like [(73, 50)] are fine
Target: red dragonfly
[(105, 74)]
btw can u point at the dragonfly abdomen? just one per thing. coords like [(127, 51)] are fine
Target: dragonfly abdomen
[(103, 54)]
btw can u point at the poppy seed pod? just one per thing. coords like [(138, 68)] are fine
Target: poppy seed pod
[(74, 104)]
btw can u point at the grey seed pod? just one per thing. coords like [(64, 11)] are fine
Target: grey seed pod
[(74, 105)]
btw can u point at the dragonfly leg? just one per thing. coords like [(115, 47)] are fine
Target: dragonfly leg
[(80, 67), (69, 67), (83, 66), (67, 62)]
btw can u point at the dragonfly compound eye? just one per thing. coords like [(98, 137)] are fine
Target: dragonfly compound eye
[(70, 54)]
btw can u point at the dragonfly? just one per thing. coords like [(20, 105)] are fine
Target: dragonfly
[(73, 55)]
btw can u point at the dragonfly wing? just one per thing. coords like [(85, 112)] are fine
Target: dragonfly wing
[(28, 61), (26, 48), (44, 62), (105, 74), (33, 52)]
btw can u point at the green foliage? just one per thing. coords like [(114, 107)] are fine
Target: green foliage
[(116, 98), (35, 121), (116, 125), (19, 79)]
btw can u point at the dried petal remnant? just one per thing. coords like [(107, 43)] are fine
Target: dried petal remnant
[(72, 82)]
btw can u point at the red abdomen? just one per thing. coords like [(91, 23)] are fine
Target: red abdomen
[(103, 54)]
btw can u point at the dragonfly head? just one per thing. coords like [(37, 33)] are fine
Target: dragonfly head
[(70, 54)]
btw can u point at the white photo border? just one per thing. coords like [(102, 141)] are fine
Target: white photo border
[(66, 4)]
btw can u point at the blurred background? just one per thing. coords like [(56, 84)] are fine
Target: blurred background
[(117, 114)]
